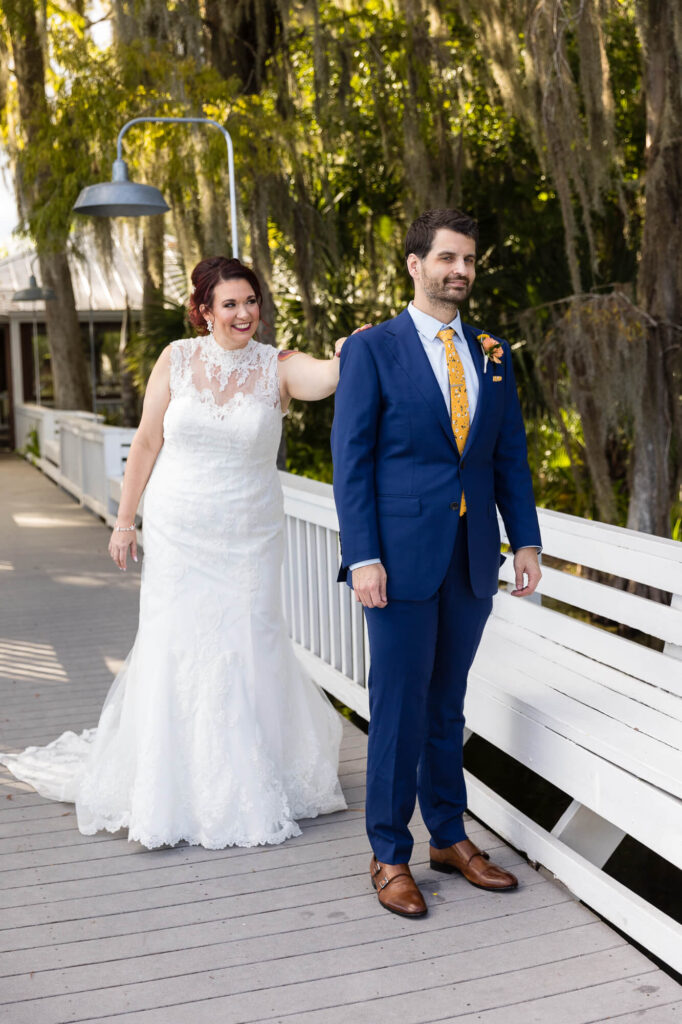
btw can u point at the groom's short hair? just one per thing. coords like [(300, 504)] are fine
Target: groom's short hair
[(422, 231)]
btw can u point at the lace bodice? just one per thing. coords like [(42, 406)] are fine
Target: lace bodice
[(224, 419), (200, 366)]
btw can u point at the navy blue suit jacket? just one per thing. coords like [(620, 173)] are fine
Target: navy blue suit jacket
[(398, 476)]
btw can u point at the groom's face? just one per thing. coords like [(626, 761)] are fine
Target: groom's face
[(448, 271)]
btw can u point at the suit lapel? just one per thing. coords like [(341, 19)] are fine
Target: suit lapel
[(409, 352), (471, 336)]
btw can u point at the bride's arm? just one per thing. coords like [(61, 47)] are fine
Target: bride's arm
[(302, 376), (144, 449)]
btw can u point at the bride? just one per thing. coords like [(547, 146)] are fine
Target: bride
[(210, 733)]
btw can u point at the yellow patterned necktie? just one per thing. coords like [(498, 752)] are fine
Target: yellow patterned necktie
[(459, 403)]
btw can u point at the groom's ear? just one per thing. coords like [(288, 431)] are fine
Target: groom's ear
[(413, 265)]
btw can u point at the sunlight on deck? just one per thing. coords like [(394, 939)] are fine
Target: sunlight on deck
[(22, 659), (85, 580), (37, 520), (114, 664)]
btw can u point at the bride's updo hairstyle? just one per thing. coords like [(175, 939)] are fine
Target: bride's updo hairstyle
[(209, 273)]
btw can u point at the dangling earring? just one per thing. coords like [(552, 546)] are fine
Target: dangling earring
[(209, 325)]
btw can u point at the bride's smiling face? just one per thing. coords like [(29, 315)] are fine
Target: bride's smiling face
[(235, 313)]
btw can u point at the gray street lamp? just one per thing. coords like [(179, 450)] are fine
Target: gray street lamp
[(34, 293), (121, 197)]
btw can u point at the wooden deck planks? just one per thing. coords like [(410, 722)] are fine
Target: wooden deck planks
[(297, 984), (349, 857), (321, 930), (268, 961), (96, 928)]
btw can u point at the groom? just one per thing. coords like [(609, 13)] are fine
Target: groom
[(427, 440)]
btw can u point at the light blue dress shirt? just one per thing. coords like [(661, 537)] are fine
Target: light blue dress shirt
[(427, 329)]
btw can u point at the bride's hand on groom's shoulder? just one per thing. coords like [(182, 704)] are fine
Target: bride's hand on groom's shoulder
[(338, 345)]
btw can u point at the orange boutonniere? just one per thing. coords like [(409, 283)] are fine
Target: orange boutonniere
[(492, 350)]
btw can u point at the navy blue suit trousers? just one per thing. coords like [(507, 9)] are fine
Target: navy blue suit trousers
[(421, 655)]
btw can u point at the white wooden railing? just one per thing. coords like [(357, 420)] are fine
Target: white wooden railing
[(78, 452), (325, 622), (594, 713)]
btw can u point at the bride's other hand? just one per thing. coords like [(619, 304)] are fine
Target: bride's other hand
[(119, 543)]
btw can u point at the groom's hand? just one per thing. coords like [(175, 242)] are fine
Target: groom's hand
[(526, 565), (369, 584)]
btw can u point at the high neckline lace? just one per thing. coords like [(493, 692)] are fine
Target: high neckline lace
[(227, 357)]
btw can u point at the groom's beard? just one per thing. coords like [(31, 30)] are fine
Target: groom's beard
[(451, 291)]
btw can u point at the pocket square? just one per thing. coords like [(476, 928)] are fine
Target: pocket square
[(496, 379)]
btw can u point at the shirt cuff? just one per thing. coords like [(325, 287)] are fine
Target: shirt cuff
[(369, 561)]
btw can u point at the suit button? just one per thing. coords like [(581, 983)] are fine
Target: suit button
[(454, 505)]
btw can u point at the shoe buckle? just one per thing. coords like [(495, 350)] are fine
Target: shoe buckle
[(384, 882)]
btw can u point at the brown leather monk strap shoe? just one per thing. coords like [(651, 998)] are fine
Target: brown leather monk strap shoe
[(396, 889), (474, 864)]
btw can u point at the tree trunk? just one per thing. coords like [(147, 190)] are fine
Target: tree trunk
[(72, 388), (657, 451), (130, 398), (71, 383), (262, 258), (241, 37), (152, 268)]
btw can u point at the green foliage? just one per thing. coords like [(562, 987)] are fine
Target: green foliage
[(557, 464), (32, 446), (164, 322), (363, 114), (306, 459)]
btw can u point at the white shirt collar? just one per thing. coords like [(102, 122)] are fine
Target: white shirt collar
[(429, 327)]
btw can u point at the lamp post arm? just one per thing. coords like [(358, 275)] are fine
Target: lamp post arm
[(230, 158)]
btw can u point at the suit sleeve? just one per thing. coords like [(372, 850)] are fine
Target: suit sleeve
[(353, 442), (513, 483)]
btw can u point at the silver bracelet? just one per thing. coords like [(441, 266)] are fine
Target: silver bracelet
[(125, 529)]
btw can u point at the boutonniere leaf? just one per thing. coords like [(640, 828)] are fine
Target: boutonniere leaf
[(492, 350)]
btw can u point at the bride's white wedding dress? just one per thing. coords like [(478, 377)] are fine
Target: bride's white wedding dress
[(210, 733)]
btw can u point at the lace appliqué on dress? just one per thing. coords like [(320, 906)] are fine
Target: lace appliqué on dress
[(200, 367)]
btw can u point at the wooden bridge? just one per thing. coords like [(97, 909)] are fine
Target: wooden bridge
[(93, 928)]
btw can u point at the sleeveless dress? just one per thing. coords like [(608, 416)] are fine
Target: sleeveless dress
[(210, 733)]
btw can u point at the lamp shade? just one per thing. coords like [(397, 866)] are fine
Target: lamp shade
[(34, 293), (120, 197)]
